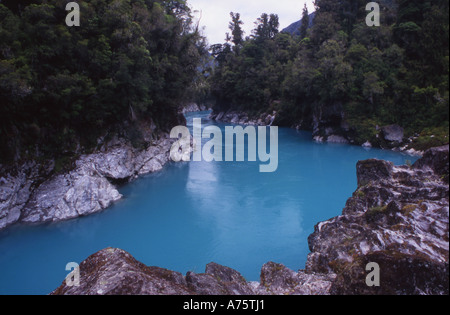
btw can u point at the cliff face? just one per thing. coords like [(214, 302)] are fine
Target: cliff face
[(398, 218)]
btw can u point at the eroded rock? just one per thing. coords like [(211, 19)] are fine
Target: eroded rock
[(242, 118), (436, 159), (28, 195), (113, 271), (399, 219), (277, 279), (393, 133)]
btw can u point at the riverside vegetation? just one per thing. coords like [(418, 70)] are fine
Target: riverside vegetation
[(62, 88), (339, 76)]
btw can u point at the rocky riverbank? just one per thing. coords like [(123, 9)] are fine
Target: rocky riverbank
[(241, 118), (34, 193), (329, 127), (398, 218), (113, 271), (194, 107)]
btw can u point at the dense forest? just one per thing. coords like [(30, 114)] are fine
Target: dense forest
[(396, 73), (62, 87)]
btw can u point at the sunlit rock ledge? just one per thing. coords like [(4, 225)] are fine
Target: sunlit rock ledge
[(398, 218)]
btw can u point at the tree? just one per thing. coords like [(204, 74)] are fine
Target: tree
[(305, 22), (236, 29), (266, 26), (372, 86)]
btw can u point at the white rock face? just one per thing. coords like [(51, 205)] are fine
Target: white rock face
[(241, 118), (337, 139), (191, 107), (393, 133), (15, 190), (318, 139), (367, 144), (26, 196), (68, 196)]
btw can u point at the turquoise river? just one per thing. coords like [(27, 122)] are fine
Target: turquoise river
[(193, 213)]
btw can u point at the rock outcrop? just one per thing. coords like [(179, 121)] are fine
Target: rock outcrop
[(398, 218), (241, 118), (393, 133), (193, 107), (277, 279), (189, 108), (113, 271), (31, 194)]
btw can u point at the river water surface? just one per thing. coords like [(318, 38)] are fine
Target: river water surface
[(193, 213)]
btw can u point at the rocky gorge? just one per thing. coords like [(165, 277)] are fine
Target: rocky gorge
[(397, 218)]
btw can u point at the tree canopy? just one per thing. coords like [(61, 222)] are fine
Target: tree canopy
[(64, 86), (394, 73)]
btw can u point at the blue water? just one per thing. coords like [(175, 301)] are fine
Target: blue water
[(190, 214)]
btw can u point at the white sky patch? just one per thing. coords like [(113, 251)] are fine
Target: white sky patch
[(215, 14)]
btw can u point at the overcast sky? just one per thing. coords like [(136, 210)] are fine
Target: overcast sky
[(215, 14)]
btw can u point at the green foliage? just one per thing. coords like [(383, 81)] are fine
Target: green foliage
[(431, 137), (250, 78), (375, 213), (393, 74), (364, 129), (60, 85)]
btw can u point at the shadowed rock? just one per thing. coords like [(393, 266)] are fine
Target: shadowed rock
[(435, 159), (399, 219), (113, 271)]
